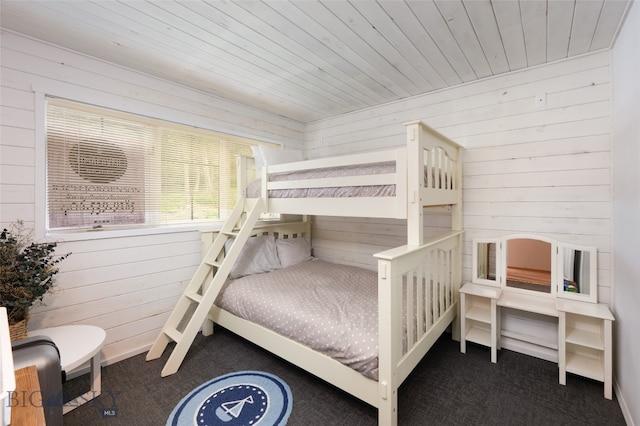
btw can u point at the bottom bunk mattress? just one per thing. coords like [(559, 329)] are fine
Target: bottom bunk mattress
[(331, 308)]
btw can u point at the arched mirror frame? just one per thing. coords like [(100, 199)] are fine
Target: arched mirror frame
[(559, 254), (553, 269)]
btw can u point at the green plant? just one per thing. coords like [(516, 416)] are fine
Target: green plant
[(27, 269)]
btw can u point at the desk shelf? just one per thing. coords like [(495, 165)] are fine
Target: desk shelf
[(585, 338), (480, 313), (479, 335), (479, 319), (585, 366), (585, 342)]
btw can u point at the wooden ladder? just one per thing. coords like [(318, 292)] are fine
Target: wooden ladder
[(205, 285)]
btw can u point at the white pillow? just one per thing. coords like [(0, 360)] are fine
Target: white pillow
[(259, 159), (258, 255), (293, 250), (279, 156)]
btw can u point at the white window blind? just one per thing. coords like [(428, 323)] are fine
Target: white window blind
[(108, 168)]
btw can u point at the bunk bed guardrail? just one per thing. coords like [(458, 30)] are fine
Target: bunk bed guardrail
[(426, 172)]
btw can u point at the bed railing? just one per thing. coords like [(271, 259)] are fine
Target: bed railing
[(388, 206), (278, 230), (417, 295), (439, 158), (427, 173)]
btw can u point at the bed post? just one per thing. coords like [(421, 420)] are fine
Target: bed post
[(415, 164), (242, 175), (389, 343), (456, 208), (457, 225), (456, 269)]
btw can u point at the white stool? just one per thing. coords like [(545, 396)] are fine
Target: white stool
[(78, 344)]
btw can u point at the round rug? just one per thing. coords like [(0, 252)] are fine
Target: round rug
[(243, 398)]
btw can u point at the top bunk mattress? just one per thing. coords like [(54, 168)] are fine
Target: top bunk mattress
[(438, 180)]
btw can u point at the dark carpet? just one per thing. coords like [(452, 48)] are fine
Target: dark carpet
[(447, 388)]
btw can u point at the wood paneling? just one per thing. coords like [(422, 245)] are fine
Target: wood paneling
[(126, 283), (528, 168), (310, 60)]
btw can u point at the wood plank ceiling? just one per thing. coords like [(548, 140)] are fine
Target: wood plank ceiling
[(309, 59)]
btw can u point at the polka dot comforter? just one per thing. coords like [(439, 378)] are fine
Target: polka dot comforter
[(328, 307)]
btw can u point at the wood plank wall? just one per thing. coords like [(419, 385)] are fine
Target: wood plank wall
[(126, 284), (529, 167)]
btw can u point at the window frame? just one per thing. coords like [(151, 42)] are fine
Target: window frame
[(41, 229)]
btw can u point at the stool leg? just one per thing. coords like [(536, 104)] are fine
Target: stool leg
[(96, 386), (96, 375)]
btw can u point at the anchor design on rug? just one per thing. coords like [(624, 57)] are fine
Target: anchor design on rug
[(236, 399), (232, 408)]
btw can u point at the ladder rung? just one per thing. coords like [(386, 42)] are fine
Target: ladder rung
[(213, 263), (233, 233), (173, 334), (194, 296)]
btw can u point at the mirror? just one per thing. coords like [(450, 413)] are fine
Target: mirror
[(529, 264), (578, 271), (485, 262)]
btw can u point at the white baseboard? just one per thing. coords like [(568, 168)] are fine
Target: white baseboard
[(624, 407), (527, 348), (86, 368)]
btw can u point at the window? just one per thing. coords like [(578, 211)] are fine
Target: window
[(107, 168)]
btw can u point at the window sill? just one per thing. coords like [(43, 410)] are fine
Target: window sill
[(105, 233)]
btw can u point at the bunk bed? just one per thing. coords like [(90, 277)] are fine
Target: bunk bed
[(415, 286), (426, 172)]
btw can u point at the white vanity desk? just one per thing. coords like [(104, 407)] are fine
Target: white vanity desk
[(584, 326)]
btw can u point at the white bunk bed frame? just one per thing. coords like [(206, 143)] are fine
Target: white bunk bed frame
[(437, 261), (427, 151)]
